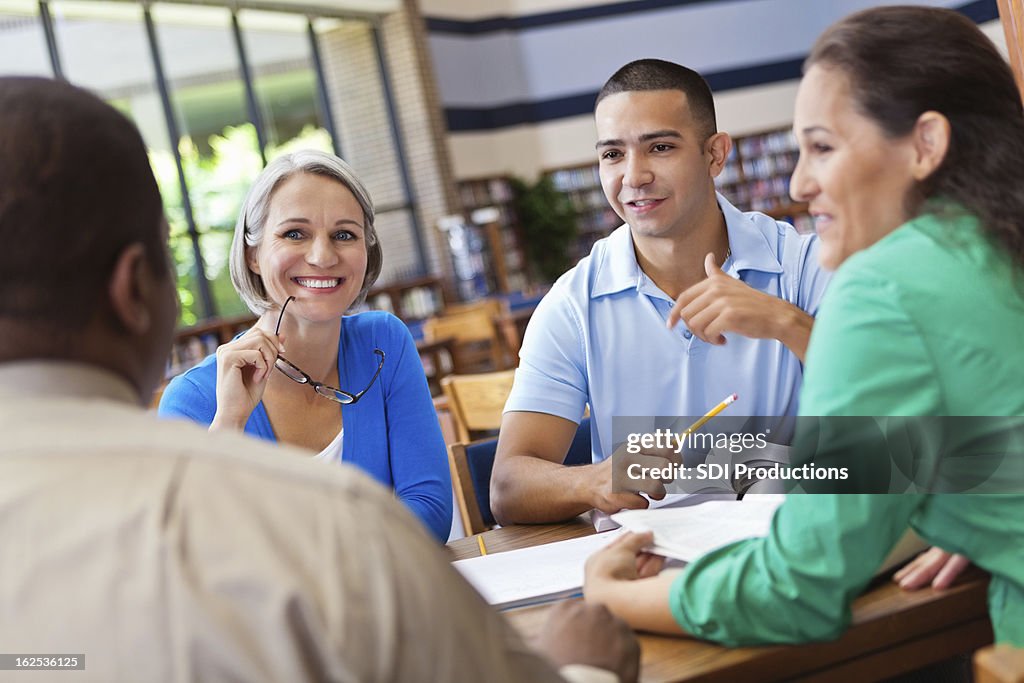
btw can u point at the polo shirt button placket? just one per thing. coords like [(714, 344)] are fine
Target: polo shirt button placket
[(688, 341)]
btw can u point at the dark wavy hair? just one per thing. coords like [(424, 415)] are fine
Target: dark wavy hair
[(904, 61), (657, 74)]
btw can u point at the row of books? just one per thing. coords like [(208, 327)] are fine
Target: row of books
[(581, 178), (770, 165), (485, 192), (767, 143), (416, 303), (759, 194)]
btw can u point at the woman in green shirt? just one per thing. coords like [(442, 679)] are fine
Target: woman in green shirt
[(911, 137)]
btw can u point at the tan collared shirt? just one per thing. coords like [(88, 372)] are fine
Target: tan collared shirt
[(164, 553)]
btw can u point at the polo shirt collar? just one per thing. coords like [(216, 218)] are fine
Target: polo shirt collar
[(617, 269), (753, 238)]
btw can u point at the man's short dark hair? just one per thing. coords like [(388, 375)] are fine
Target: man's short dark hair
[(657, 74), (75, 190)]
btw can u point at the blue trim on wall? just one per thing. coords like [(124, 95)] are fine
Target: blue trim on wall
[(745, 77), (979, 10), (489, 118), (462, 119)]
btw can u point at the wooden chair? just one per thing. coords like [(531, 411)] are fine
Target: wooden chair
[(492, 307), (445, 419), (478, 345), (476, 401), (471, 465), (999, 664), (512, 326), (437, 359)]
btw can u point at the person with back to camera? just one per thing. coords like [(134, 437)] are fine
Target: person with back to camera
[(349, 387), (160, 552), (911, 134)]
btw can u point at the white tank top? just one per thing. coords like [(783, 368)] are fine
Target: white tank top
[(333, 451)]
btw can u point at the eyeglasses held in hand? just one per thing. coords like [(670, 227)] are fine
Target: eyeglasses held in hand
[(292, 372)]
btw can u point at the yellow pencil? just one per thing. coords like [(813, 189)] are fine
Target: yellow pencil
[(480, 542), (710, 414)]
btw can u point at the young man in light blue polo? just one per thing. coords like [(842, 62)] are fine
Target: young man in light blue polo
[(744, 286)]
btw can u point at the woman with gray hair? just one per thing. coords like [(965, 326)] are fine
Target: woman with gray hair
[(348, 387)]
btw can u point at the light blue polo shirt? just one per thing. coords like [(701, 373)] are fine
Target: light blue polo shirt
[(599, 336)]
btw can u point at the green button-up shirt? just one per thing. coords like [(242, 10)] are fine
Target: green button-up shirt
[(928, 321)]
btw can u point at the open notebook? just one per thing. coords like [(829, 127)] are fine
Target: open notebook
[(554, 571), (528, 576)]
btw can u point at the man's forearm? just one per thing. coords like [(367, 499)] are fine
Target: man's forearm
[(531, 490)]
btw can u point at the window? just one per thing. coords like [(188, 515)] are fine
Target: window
[(281, 61), (215, 93), (217, 143), (22, 40)]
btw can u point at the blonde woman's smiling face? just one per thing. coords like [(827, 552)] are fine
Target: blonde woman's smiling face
[(313, 247)]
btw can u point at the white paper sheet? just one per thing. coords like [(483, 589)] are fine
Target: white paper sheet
[(686, 533), (531, 575), (689, 532)]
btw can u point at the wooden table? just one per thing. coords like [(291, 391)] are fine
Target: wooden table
[(892, 631)]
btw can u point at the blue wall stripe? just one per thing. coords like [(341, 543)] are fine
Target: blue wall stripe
[(489, 118), (462, 119), (979, 10), (468, 118), (759, 74)]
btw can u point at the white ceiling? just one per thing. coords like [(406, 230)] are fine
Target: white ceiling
[(371, 6), (331, 8)]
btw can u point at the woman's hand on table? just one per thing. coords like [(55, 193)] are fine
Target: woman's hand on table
[(621, 560), (934, 567)]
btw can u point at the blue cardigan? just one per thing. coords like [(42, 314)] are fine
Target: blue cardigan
[(391, 433)]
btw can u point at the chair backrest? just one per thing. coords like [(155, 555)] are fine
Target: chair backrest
[(477, 342), (476, 401), (492, 307), (446, 420), (580, 449), (470, 326), (471, 465), (999, 664)]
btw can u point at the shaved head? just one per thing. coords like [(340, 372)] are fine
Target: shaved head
[(657, 74)]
